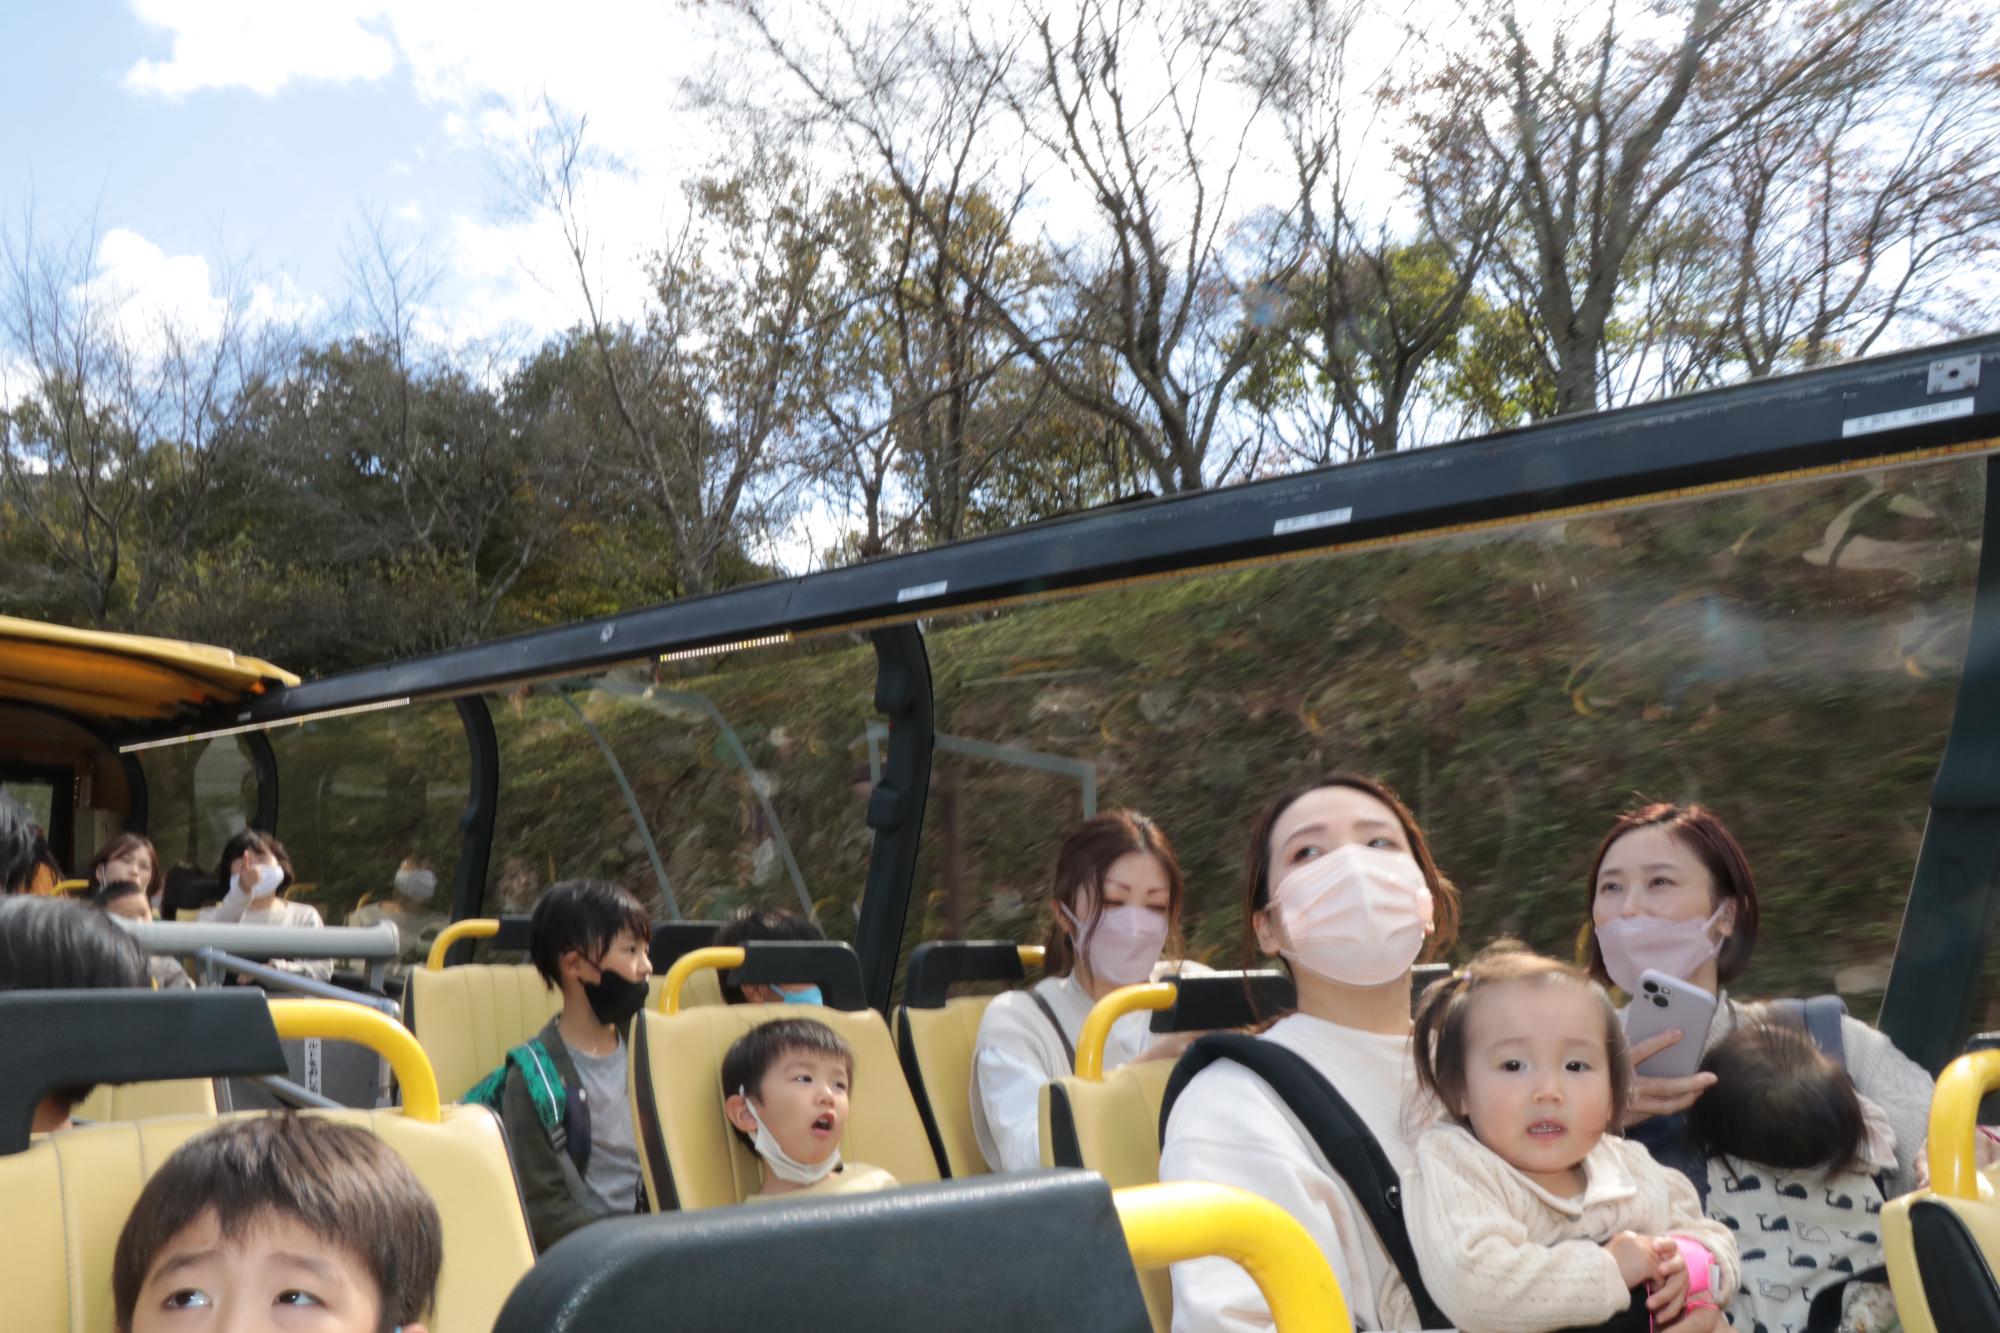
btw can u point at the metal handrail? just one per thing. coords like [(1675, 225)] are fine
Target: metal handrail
[(214, 962)]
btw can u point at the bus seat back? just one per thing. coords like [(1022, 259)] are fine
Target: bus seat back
[(142, 1101), (998, 1253), (692, 1157), (68, 1195), (936, 1046), (1112, 1127), (1942, 1255)]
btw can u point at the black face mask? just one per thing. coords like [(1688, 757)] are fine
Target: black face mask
[(614, 998)]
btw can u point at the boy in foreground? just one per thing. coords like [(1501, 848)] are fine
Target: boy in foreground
[(279, 1222), (789, 1080)]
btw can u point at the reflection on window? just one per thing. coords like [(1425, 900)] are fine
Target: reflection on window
[(1788, 656), (741, 783), (198, 796)]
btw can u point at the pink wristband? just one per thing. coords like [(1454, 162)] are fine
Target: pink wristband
[(1701, 1268)]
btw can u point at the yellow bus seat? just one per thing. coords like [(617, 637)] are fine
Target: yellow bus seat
[(936, 1033), (1110, 1123), (68, 1193), (692, 1158), (467, 1017), (1041, 1251), (1942, 1244), (143, 1101)]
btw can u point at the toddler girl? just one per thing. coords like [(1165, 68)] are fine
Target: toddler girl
[(1525, 1214)]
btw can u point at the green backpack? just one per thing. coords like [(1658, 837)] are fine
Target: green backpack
[(542, 1080)]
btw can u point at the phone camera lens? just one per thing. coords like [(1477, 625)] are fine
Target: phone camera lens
[(1649, 986), (1660, 1000)]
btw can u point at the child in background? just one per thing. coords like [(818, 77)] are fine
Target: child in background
[(764, 923), (279, 1221), (561, 1094), (1526, 1215), (128, 902), (1794, 1153), (788, 1082)]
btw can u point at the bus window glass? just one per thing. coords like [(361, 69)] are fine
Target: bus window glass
[(1788, 656), (704, 786), (198, 796), (360, 795)]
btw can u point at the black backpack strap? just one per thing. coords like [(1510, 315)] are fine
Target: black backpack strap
[(1069, 1049), (1824, 1314), (1341, 1135)]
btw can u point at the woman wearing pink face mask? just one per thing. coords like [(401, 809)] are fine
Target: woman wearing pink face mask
[(1115, 908), (1672, 891), (1340, 883)]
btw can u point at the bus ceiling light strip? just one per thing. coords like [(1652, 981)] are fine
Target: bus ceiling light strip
[(717, 649), (380, 705)]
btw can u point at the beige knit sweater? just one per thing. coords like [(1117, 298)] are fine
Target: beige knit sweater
[(1500, 1254)]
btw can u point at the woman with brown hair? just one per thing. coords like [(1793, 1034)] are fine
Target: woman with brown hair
[(1114, 910), (1339, 881), (130, 858), (1671, 891)]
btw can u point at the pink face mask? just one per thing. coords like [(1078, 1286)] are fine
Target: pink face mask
[(1124, 944), (1633, 945), (1357, 915)]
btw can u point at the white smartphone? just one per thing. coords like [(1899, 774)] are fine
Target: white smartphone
[(1663, 1004)]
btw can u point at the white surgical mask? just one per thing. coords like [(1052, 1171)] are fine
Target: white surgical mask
[(1357, 915), (1124, 944), (1634, 945), (783, 1164), (416, 885), (269, 877)]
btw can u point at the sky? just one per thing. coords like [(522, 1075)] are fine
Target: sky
[(207, 141)]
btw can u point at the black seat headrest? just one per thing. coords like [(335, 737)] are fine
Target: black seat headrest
[(1029, 1251), (671, 939), (1226, 1000), (834, 967), (938, 965), (53, 1039)]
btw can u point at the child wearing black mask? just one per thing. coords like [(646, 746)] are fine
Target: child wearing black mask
[(562, 1095)]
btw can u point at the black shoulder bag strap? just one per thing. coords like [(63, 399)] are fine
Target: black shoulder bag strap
[(1069, 1050), (1341, 1134)]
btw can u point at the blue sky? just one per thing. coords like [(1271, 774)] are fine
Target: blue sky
[(255, 136)]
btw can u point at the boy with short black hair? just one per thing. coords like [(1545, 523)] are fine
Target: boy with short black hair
[(561, 1095), (274, 1213), (64, 944), (748, 925), (788, 1082)]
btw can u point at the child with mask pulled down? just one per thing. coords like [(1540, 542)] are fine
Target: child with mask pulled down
[(1527, 1212), (561, 1095), (788, 1083), (1113, 915)]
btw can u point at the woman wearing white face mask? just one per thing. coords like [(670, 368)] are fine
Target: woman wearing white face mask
[(411, 909), (1341, 884), (256, 870), (1116, 905), (1672, 891)]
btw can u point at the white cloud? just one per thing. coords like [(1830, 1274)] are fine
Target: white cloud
[(152, 290), (261, 45), (411, 212)]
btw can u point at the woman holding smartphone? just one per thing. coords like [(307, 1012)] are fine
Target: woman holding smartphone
[(1671, 892)]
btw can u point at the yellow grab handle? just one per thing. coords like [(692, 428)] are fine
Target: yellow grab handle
[(1031, 954), (1166, 1224), (1097, 1027), (72, 888), (472, 928), (719, 957), (336, 1020), (1954, 1123)]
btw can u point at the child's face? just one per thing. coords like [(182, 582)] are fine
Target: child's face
[(630, 956), (804, 1101), (1538, 1076), (278, 1275)]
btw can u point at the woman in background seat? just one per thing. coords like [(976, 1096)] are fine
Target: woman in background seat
[(1114, 910)]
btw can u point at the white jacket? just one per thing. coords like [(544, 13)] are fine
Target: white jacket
[(1230, 1128), (238, 906), (1017, 1051)]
